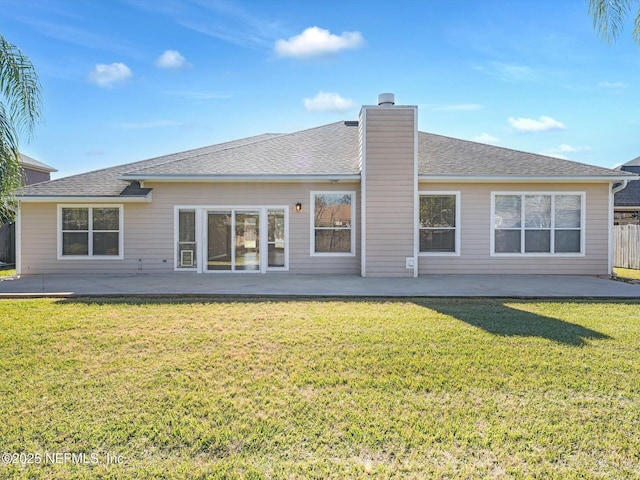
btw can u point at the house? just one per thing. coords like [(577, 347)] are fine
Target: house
[(33, 171), (627, 201), (372, 197)]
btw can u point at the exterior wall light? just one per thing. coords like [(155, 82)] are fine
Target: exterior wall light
[(298, 207)]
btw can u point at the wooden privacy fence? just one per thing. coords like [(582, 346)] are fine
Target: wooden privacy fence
[(8, 243), (626, 250)]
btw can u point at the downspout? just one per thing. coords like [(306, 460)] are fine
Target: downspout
[(612, 193), (18, 234)]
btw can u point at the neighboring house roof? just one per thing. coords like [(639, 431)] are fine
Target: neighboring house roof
[(32, 163), (631, 163), (630, 196), (329, 151)]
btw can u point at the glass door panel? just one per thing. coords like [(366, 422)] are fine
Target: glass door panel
[(219, 246), (276, 238), (247, 241)]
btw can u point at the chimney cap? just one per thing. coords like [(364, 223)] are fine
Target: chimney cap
[(387, 99)]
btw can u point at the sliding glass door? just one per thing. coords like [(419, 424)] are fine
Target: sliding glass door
[(247, 241), (233, 240), (219, 245)]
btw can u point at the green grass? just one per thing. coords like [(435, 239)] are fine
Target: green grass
[(7, 272), (627, 273), (321, 389)]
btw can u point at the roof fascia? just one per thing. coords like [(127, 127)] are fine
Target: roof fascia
[(522, 179), (84, 198), (240, 178), (25, 166)]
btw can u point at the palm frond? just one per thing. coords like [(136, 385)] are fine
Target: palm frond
[(20, 87), (609, 17), (19, 112)]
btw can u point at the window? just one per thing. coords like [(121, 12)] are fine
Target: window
[(439, 229), (545, 223), (90, 231), (332, 228)]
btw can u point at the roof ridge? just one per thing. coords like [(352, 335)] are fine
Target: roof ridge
[(231, 147), (574, 162)]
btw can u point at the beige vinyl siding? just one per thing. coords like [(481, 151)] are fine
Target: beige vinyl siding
[(149, 228), (389, 147), (475, 224)]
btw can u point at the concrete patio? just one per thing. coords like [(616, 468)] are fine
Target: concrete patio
[(283, 284)]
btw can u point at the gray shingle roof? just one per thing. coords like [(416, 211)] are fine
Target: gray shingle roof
[(106, 182), (445, 156), (632, 163), (630, 196), (326, 150), (330, 149)]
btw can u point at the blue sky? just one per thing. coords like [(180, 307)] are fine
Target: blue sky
[(126, 80)]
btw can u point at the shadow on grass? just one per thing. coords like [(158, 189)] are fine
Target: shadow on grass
[(491, 315), (497, 318)]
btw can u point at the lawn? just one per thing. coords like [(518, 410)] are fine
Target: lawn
[(7, 272), (423, 388), (627, 273)]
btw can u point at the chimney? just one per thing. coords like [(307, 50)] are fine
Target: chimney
[(386, 99), (388, 188)]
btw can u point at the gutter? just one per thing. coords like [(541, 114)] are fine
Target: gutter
[(84, 198), (524, 178), (620, 187), (239, 178)]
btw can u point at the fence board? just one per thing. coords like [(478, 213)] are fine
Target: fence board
[(8, 243), (626, 250)]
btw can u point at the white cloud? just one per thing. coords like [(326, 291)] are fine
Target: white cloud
[(511, 73), (328, 102), (95, 152), (172, 60), (315, 42), (200, 96), (150, 124), (564, 148), (106, 76), (612, 85), (543, 124), (486, 138), (465, 107), (560, 150)]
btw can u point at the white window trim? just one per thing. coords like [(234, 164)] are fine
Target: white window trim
[(522, 254), (458, 227), (312, 224), (90, 256), (201, 237)]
